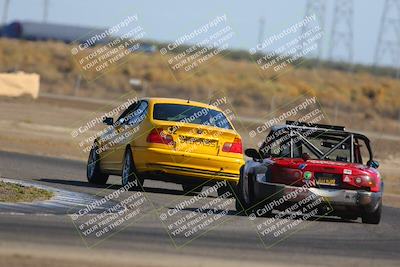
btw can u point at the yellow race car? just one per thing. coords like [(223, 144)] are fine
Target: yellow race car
[(167, 139)]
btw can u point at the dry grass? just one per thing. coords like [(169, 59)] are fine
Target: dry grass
[(10, 192)]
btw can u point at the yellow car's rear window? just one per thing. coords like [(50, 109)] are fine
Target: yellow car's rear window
[(191, 114)]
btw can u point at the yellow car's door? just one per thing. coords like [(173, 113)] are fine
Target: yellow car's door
[(104, 147), (109, 142), (127, 132)]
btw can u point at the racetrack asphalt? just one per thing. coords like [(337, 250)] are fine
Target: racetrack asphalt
[(325, 242)]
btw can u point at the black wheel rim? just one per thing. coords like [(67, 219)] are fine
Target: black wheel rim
[(126, 170), (245, 189), (92, 162)]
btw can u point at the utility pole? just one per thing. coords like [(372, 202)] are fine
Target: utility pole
[(261, 30), (78, 84), (389, 36), (5, 11), (45, 10), (317, 8), (399, 115), (342, 32)]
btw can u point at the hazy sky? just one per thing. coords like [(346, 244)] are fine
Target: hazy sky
[(167, 20)]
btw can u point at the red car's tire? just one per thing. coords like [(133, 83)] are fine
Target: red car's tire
[(374, 217), (244, 196)]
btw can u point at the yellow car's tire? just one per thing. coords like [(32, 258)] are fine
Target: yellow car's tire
[(93, 172), (129, 172)]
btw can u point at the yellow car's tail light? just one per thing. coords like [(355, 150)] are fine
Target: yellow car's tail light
[(235, 147), (158, 136)]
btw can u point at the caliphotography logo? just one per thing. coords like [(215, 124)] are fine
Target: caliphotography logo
[(100, 51), (207, 43), (213, 133)]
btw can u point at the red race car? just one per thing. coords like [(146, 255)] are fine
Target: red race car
[(301, 160)]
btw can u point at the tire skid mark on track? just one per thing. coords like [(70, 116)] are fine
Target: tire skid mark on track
[(62, 203)]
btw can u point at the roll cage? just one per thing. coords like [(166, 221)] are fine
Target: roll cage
[(297, 132)]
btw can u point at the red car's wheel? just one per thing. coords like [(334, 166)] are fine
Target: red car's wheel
[(245, 197), (374, 217)]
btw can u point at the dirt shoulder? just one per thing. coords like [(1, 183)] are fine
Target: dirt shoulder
[(46, 256)]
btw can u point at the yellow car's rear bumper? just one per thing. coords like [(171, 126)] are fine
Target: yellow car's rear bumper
[(195, 165)]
